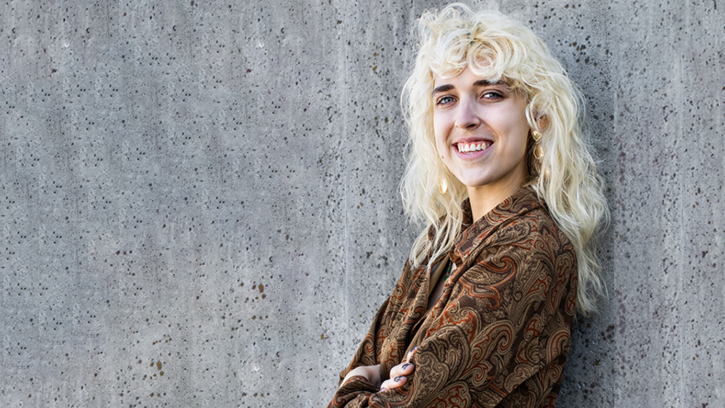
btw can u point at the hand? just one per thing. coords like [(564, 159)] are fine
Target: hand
[(399, 373), (371, 373)]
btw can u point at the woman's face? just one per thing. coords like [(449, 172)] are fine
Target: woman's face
[(481, 132)]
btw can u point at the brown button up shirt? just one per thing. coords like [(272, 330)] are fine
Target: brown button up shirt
[(499, 334)]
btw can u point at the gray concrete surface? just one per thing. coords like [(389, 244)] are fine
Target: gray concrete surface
[(199, 199)]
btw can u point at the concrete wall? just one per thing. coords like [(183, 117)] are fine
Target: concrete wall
[(199, 201)]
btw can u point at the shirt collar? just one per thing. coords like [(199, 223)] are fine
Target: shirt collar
[(474, 233)]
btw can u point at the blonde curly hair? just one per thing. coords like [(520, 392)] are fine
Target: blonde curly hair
[(497, 47)]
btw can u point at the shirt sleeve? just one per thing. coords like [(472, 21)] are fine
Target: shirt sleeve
[(502, 335)]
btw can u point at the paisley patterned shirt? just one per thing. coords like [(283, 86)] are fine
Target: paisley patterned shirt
[(499, 334)]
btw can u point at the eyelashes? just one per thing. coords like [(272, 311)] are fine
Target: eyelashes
[(444, 100), (492, 95), (487, 95)]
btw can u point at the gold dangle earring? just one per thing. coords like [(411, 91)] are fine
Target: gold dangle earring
[(538, 153), (538, 150), (443, 186)]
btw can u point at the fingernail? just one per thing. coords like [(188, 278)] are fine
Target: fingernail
[(396, 379), (383, 389), (405, 366)]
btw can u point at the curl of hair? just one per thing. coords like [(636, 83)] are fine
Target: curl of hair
[(495, 46)]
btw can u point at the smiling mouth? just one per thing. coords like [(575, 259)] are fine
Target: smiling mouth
[(472, 147)]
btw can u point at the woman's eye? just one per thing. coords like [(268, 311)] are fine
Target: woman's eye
[(492, 95), (445, 100)]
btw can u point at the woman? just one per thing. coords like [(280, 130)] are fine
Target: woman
[(501, 176)]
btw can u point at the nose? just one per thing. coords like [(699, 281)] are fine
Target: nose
[(466, 117)]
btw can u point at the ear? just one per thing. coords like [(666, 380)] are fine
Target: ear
[(542, 123)]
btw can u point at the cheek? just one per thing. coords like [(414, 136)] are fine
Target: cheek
[(521, 132), (440, 138), (518, 150), (441, 130), (441, 149)]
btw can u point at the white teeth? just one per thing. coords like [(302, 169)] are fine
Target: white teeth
[(472, 147)]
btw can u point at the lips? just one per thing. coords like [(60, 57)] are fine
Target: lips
[(472, 147)]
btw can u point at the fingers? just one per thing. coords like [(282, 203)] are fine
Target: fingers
[(401, 370), (393, 383), (399, 373)]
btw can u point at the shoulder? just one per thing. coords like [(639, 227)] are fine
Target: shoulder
[(529, 245), (526, 260), (520, 219), (526, 226), (533, 230)]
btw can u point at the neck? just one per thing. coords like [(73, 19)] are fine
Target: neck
[(485, 198)]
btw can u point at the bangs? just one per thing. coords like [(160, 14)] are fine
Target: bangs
[(486, 54)]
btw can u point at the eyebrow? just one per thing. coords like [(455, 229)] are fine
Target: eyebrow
[(443, 88), (480, 82)]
